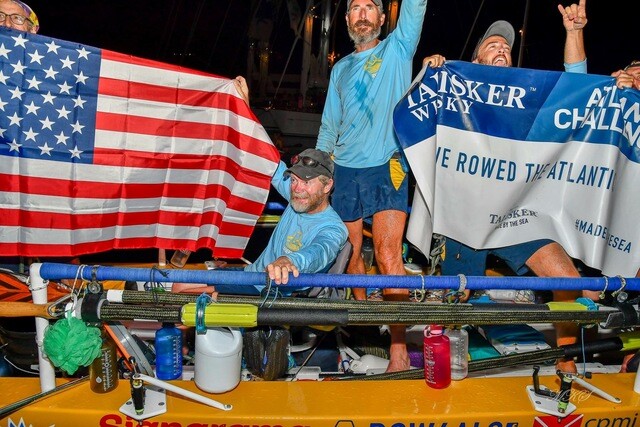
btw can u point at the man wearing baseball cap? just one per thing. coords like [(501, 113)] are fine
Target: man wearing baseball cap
[(310, 233), (494, 48), (543, 257), (18, 15), (307, 239)]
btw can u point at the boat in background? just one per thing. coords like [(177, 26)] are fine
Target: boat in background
[(298, 130), (289, 105)]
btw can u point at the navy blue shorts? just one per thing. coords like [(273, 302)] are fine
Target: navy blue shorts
[(361, 192), (461, 259)]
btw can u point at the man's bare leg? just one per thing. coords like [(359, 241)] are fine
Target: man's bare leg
[(552, 261), (387, 230), (356, 263)]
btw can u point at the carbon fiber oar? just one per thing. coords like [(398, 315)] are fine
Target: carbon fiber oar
[(93, 307), (247, 315), (528, 358), (29, 400)]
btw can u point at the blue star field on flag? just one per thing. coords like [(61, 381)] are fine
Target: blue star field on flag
[(48, 94)]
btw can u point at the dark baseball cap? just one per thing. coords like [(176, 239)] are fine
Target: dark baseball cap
[(311, 163), (376, 2), (498, 28)]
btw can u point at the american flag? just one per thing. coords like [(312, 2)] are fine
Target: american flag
[(100, 151)]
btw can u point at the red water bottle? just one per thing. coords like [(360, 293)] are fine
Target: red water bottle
[(437, 357)]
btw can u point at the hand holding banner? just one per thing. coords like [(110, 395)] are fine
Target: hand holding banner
[(504, 155)]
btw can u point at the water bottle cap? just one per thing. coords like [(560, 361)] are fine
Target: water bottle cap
[(435, 330)]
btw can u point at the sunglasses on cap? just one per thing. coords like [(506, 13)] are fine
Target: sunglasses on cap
[(632, 65), (309, 162)]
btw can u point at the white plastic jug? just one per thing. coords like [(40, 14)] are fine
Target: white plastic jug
[(218, 360)]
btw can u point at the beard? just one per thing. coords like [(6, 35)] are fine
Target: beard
[(313, 201), (363, 32)]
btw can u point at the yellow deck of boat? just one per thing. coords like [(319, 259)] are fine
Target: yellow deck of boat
[(473, 402)]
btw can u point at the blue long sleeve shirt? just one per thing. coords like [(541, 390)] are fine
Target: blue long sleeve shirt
[(310, 241), (576, 67), (357, 121)]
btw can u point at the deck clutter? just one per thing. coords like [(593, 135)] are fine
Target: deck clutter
[(219, 365)]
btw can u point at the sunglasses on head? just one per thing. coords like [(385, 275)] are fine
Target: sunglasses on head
[(632, 65), (309, 162)]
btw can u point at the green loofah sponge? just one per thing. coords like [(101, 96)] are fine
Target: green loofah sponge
[(70, 343)]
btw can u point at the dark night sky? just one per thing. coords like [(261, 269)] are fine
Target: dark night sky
[(211, 35)]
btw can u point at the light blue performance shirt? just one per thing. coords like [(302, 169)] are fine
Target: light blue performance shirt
[(310, 241), (364, 88), (576, 67)]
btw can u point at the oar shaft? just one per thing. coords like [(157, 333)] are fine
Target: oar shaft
[(516, 359), (24, 309), (29, 400), (248, 315)]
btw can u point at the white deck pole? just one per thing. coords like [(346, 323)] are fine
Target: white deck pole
[(38, 287)]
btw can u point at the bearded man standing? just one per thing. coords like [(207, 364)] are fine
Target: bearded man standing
[(357, 129)]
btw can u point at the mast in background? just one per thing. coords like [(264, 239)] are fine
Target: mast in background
[(324, 38), (306, 52), (392, 15), (523, 33)]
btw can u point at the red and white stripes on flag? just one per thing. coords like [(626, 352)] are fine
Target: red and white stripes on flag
[(147, 155)]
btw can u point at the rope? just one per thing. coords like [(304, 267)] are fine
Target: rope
[(435, 256), (141, 297), (127, 312)]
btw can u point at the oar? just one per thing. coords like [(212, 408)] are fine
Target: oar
[(29, 400), (626, 341), (94, 308), (52, 310)]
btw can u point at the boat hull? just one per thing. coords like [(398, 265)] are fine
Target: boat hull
[(473, 402)]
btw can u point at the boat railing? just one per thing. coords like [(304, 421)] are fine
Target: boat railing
[(41, 273)]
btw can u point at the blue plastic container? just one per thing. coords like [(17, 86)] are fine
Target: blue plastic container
[(168, 345)]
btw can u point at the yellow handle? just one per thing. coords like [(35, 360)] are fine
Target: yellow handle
[(630, 340), (566, 306), (232, 315)]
